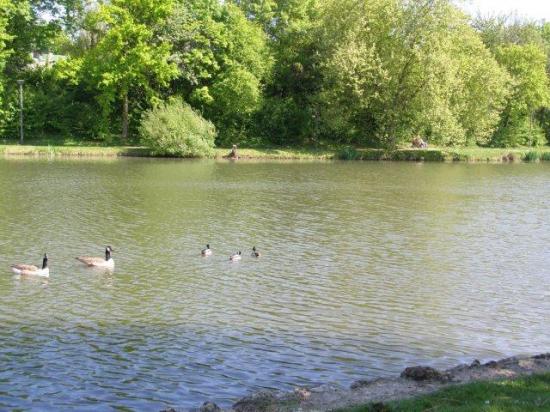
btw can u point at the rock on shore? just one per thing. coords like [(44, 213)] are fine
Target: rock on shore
[(413, 381)]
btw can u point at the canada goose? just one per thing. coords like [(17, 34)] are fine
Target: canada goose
[(106, 262), (32, 270), (235, 256), (207, 251), (255, 253)]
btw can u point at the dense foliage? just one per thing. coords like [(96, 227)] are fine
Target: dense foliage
[(410, 68), (294, 72), (175, 129), (222, 61)]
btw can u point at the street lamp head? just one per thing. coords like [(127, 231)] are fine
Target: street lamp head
[(20, 82)]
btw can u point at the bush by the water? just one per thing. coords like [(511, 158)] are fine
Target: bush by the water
[(175, 129), (532, 156), (349, 153)]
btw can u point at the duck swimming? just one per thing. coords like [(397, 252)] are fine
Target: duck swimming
[(255, 253), (236, 256), (32, 270), (99, 262), (207, 251)]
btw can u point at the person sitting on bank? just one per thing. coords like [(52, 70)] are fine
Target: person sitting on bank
[(419, 143), (233, 153)]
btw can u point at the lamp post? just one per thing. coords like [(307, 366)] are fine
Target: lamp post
[(20, 83)]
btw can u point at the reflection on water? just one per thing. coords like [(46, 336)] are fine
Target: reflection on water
[(366, 268)]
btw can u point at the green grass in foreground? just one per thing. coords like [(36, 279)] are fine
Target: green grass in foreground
[(523, 394)]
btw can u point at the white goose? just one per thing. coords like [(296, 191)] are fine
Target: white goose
[(99, 262), (32, 270)]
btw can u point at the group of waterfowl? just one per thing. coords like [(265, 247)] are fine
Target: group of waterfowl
[(234, 257), (106, 262)]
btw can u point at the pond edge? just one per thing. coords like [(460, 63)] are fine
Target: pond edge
[(413, 381)]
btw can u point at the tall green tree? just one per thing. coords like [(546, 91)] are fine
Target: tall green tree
[(400, 68), (223, 63), (25, 33), (5, 37), (290, 112), (30, 33), (498, 30), (14, 38), (523, 49), (67, 14), (127, 56), (530, 93)]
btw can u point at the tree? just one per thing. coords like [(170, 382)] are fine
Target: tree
[(523, 49), (290, 111), (223, 62), (5, 37), (530, 92), (367, 72), (56, 100), (128, 57), (400, 68), (68, 15), (498, 30)]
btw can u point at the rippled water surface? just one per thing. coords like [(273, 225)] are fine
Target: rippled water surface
[(366, 268)]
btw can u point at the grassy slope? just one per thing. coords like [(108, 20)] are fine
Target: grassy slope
[(93, 149), (72, 151), (281, 153), (523, 394), (68, 147), (465, 154)]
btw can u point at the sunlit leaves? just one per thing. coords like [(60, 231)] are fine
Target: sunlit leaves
[(406, 68), (222, 59), (127, 55)]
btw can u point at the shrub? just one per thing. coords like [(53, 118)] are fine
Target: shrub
[(174, 129), (349, 153), (521, 132), (532, 156), (373, 154)]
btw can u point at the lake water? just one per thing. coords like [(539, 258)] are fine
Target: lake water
[(366, 268)]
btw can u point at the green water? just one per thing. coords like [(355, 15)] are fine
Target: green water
[(366, 268)]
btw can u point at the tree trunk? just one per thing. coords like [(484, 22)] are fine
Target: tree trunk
[(125, 116)]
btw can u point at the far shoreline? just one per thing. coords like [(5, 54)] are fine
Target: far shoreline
[(435, 154)]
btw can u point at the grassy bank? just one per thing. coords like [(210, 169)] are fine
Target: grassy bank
[(445, 154), (523, 394), (138, 151), (73, 151), (282, 153), (60, 147), (69, 148)]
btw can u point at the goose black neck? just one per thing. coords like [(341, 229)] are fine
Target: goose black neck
[(107, 254), (44, 262)]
